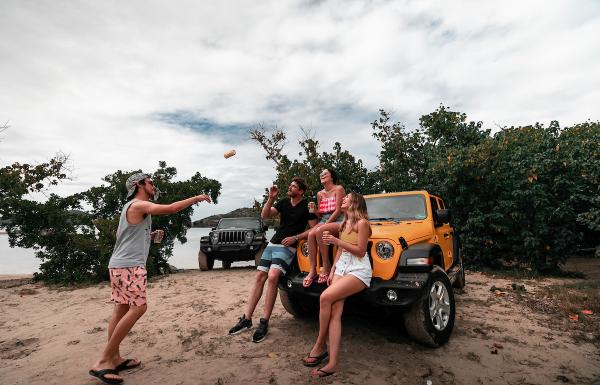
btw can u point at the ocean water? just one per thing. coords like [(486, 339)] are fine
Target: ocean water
[(185, 256)]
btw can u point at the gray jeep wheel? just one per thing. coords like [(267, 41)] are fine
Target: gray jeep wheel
[(259, 254), (205, 262), (431, 319)]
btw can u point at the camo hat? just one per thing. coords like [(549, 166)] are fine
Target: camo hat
[(132, 181)]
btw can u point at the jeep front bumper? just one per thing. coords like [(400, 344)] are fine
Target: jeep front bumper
[(407, 288)]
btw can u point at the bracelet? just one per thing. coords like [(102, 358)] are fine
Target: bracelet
[(296, 238)]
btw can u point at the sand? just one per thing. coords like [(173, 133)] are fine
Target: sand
[(52, 336)]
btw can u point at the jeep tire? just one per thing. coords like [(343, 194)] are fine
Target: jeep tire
[(297, 305), (431, 318), (205, 262), (459, 279), (259, 254)]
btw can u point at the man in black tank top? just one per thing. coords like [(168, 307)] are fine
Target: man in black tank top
[(278, 255)]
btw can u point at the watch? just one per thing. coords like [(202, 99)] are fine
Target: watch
[(296, 238)]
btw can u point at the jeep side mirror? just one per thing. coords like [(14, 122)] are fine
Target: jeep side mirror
[(443, 215)]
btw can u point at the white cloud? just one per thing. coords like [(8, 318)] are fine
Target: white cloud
[(89, 78)]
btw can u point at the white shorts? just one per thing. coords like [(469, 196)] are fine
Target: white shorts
[(358, 267)]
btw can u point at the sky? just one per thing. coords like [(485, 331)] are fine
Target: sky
[(125, 84)]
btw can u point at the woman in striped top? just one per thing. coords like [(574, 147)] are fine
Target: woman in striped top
[(329, 201)]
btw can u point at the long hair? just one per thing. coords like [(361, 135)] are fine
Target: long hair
[(357, 210)]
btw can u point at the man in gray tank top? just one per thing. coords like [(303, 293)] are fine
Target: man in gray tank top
[(127, 268)]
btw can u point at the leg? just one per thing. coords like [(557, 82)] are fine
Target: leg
[(312, 256), (333, 228), (271, 295), (120, 330), (256, 293), (119, 311), (333, 304)]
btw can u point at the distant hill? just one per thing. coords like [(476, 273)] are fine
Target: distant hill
[(237, 213)]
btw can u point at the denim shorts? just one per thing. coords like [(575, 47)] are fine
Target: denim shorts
[(276, 256), (326, 216)]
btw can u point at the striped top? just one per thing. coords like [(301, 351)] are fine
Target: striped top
[(327, 205)]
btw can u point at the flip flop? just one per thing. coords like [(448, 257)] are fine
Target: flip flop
[(308, 281), (321, 373), (125, 365), (323, 278), (317, 359), (101, 375)]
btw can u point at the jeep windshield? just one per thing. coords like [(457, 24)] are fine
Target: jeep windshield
[(397, 208), (239, 223)]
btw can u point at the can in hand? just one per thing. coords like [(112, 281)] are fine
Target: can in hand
[(158, 236), (312, 207), (325, 233)]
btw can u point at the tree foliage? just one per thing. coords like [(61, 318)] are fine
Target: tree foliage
[(524, 195), (74, 235)]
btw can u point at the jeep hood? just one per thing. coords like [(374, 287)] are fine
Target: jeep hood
[(410, 230)]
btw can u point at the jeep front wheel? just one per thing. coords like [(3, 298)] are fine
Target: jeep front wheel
[(431, 319), (298, 306), (205, 262), (258, 254)]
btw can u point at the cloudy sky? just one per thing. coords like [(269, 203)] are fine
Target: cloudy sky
[(124, 84)]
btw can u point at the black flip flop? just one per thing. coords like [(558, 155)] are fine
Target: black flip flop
[(317, 361), (101, 375), (125, 365), (325, 374)]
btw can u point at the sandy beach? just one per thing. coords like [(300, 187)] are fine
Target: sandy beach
[(52, 336)]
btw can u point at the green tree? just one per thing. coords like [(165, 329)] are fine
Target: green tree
[(74, 235), (351, 171)]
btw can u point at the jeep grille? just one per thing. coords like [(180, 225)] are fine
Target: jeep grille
[(226, 237)]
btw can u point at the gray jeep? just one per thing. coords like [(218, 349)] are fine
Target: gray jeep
[(234, 239)]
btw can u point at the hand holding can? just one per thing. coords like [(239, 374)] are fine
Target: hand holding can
[(158, 236), (326, 237), (312, 207)]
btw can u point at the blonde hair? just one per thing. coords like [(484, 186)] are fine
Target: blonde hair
[(357, 210)]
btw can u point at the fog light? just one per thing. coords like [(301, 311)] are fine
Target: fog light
[(208, 249), (289, 283), (251, 247), (392, 295)]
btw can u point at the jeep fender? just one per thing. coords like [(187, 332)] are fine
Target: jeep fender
[(423, 250)]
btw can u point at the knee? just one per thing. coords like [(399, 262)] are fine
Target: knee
[(139, 310), (273, 277), (326, 299), (312, 234)]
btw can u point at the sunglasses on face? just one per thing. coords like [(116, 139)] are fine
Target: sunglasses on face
[(149, 181)]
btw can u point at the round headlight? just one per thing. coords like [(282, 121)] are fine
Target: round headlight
[(304, 249), (249, 236), (214, 238), (384, 249)]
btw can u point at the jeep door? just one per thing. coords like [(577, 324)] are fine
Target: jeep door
[(443, 231)]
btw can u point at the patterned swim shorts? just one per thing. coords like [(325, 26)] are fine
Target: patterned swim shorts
[(128, 285)]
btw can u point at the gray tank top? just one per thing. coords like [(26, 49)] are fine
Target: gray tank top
[(133, 241)]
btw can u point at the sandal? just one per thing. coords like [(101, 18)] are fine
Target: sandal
[(317, 359), (308, 281), (323, 278), (321, 373), (101, 375), (125, 364)]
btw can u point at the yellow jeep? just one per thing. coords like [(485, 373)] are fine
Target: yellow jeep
[(415, 255)]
